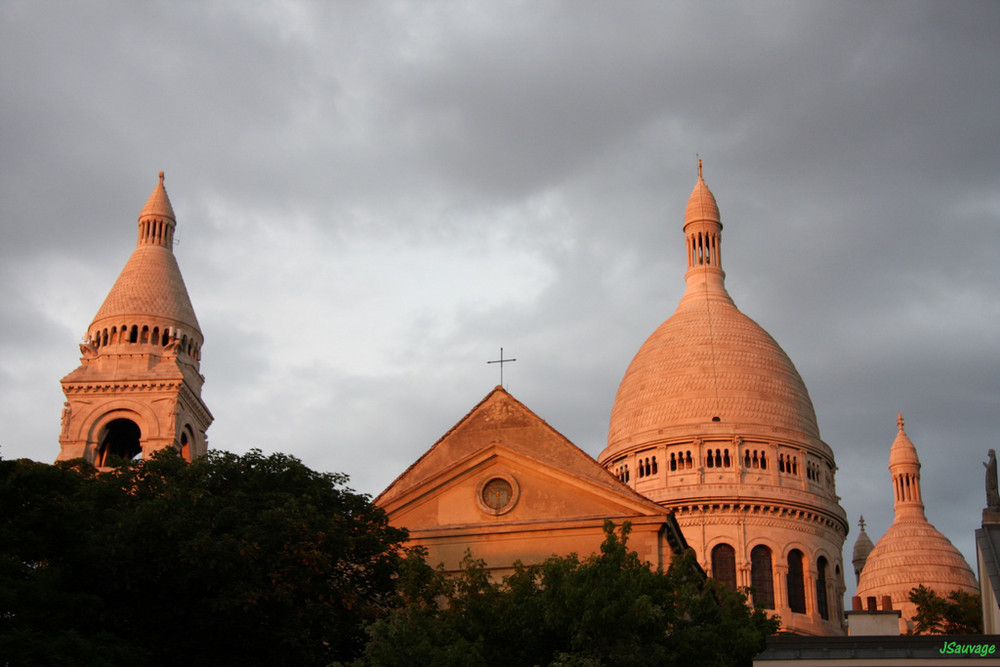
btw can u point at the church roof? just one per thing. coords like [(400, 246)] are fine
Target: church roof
[(150, 286), (708, 363)]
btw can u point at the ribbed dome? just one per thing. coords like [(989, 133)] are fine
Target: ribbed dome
[(912, 553), (150, 286)]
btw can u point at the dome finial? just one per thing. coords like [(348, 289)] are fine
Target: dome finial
[(161, 178), (699, 167), (900, 421), (861, 522)]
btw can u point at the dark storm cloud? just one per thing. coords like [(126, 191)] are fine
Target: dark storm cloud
[(374, 197)]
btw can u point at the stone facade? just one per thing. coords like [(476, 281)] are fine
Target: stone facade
[(506, 486), (138, 386), (713, 422)]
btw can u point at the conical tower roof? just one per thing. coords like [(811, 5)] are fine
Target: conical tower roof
[(151, 287), (708, 364)]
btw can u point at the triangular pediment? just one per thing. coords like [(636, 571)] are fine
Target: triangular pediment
[(503, 464)]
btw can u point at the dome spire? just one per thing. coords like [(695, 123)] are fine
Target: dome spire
[(703, 233), (156, 220)]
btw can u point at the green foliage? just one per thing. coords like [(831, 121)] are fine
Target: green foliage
[(229, 559), (958, 614), (608, 609)]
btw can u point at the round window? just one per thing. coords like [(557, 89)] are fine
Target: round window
[(497, 493)]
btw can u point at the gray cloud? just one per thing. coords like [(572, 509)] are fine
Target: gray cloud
[(374, 197)]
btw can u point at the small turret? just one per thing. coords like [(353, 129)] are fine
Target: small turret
[(862, 548)]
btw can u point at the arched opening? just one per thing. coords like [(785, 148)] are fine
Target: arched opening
[(724, 565), (185, 444), (762, 576), (120, 439), (821, 604), (794, 583)]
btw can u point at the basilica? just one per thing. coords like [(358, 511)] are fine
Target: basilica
[(713, 442)]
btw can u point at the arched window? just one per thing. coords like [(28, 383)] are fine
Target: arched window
[(794, 583), (120, 439), (654, 465), (724, 565), (762, 576), (821, 605)]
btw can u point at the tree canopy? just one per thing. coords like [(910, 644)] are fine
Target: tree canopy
[(228, 559), (957, 614), (608, 609)]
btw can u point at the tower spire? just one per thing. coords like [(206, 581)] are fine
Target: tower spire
[(138, 386)]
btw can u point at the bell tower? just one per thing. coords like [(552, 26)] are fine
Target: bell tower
[(138, 387)]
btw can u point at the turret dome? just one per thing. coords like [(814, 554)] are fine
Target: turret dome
[(708, 365), (912, 552)]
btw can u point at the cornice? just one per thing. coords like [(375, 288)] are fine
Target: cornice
[(773, 514)]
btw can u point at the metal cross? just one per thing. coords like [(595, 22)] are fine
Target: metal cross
[(501, 361)]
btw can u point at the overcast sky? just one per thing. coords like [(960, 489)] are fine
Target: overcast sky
[(374, 197)]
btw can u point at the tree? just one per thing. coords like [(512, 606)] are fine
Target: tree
[(958, 614), (254, 559), (608, 609)]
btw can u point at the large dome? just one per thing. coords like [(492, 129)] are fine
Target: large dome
[(708, 368), (710, 363), (713, 422)]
